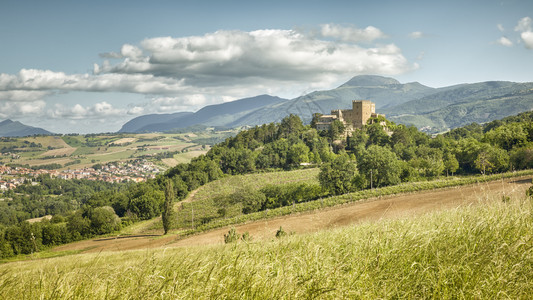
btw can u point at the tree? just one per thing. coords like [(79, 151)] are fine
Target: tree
[(237, 161), (146, 201), (337, 177), (376, 135), (508, 136), (402, 135), (450, 163), (297, 154), (104, 220), (78, 225), (314, 120), (522, 158), (380, 166), (252, 200), (492, 159), (483, 163), (289, 125), (168, 212), (336, 130)]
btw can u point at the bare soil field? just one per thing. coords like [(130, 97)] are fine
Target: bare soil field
[(374, 209), (124, 141)]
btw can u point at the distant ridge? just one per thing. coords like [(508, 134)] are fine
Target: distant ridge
[(10, 128), (434, 109), (212, 115), (136, 124)]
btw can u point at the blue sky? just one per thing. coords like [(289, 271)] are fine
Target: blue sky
[(90, 66)]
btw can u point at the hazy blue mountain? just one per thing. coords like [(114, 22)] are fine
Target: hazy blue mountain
[(137, 123), (435, 109), (383, 91), (212, 115), (10, 128), (460, 105)]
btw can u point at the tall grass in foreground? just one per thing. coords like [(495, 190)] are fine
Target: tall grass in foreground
[(482, 252)]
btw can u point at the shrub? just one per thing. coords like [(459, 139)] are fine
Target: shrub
[(231, 237), (246, 237), (280, 233)]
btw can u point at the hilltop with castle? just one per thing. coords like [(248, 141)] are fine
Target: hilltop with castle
[(355, 118)]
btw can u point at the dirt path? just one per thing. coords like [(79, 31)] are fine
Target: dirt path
[(368, 210)]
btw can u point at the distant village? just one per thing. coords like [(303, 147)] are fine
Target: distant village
[(137, 171)]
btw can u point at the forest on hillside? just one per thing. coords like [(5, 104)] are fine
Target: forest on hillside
[(375, 156)]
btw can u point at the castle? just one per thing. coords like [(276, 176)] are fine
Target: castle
[(354, 118)]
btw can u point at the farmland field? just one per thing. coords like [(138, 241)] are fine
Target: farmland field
[(78, 151)]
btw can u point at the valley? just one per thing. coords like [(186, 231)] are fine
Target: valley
[(56, 154)]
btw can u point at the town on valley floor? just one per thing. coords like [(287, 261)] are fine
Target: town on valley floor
[(135, 170)]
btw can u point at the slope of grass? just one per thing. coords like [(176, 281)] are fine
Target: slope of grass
[(204, 211), (481, 252), (228, 185), (212, 197)]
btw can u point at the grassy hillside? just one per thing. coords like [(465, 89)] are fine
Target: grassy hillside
[(208, 200), (481, 252)]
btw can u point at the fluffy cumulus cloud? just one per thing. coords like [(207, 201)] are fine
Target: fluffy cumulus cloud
[(99, 110), (524, 26), (20, 109), (227, 57), (176, 73)]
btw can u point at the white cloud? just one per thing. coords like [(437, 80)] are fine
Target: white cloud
[(132, 52), (224, 63), (527, 38), (524, 26), (504, 41), (46, 80), (500, 27), (416, 35), (173, 104), (350, 33), (136, 110), (99, 110), (226, 57), (186, 73), (18, 95), (17, 109)]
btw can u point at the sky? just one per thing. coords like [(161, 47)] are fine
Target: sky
[(91, 66)]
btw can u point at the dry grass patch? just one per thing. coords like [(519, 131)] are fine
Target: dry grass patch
[(59, 152), (123, 141)]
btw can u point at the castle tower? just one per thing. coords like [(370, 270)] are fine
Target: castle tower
[(362, 111)]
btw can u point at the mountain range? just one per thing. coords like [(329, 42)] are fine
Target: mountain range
[(223, 115), (10, 128), (434, 109)]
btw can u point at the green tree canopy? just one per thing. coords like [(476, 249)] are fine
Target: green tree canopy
[(380, 166), (337, 177)]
